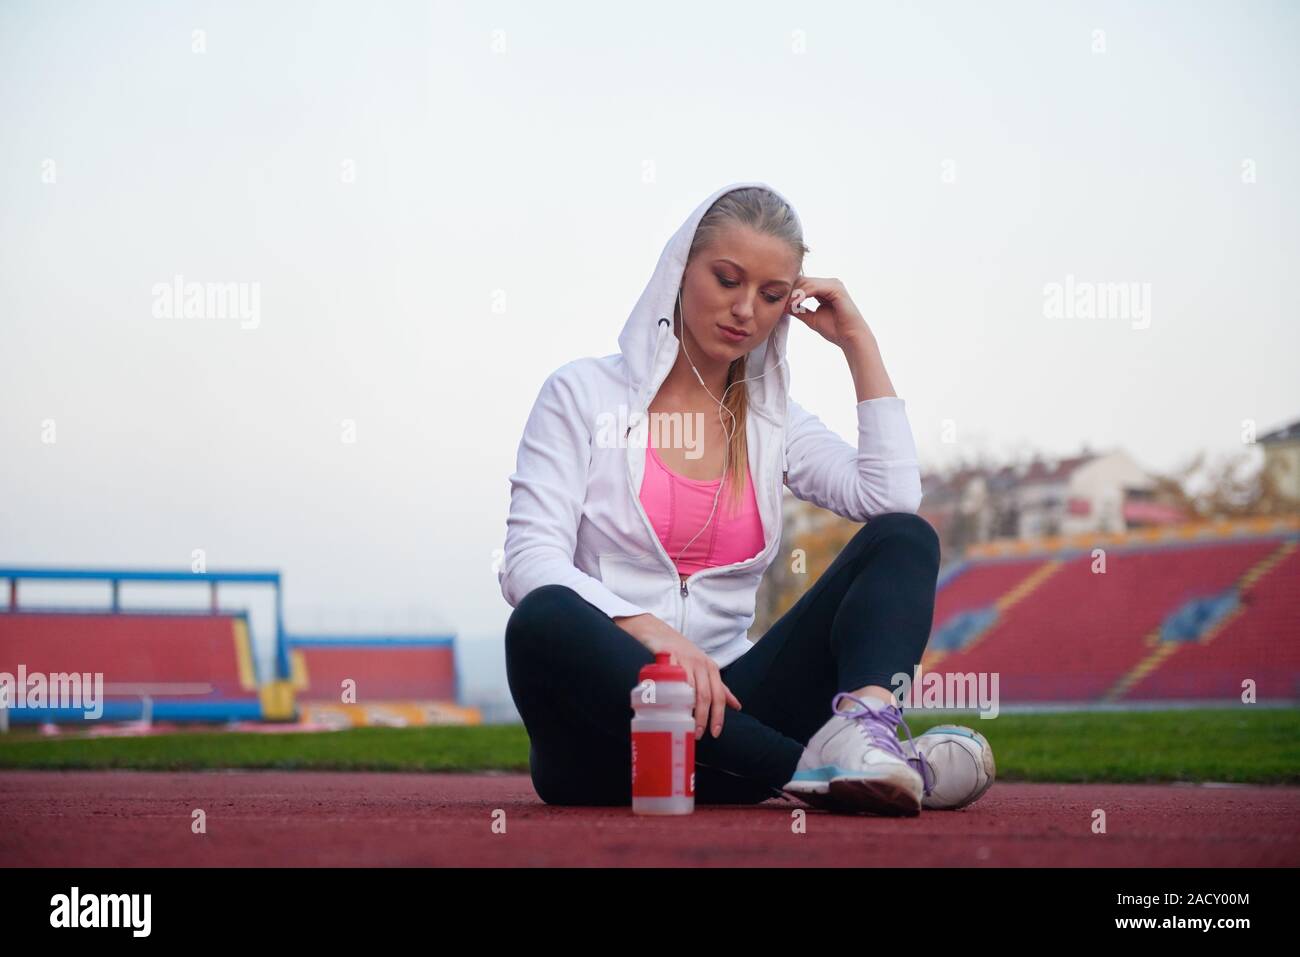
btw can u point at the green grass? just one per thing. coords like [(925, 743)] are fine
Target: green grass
[(1232, 745), (503, 747)]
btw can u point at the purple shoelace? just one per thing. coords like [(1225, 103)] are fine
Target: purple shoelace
[(880, 725)]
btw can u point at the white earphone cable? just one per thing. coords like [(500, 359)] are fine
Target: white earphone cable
[(726, 449)]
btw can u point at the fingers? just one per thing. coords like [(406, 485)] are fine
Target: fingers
[(799, 304), (719, 700), (703, 699), (711, 697), (797, 295), (812, 287), (817, 286)]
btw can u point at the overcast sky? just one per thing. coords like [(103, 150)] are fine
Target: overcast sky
[(438, 204)]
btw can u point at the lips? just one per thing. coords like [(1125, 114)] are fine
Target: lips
[(732, 334)]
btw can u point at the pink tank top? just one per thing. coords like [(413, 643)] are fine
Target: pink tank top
[(678, 507)]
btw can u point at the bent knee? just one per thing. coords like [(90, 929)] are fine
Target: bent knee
[(536, 610), (908, 528)]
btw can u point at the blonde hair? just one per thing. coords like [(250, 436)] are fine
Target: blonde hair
[(764, 211)]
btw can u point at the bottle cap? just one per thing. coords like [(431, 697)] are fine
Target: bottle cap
[(663, 669)]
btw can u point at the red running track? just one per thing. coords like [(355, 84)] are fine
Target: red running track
[(255, 818)]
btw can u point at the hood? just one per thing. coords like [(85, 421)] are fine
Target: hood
[(649, 347)]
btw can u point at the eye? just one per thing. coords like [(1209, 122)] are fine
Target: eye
[(732, 284)]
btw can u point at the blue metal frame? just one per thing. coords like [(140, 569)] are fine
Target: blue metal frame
[(113, 576), (334, 641), (214, 709), (283, 642), (109, 574)]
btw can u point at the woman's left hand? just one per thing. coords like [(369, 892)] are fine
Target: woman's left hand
[(837, 319)]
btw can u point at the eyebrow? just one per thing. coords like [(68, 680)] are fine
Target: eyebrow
[(783, 282)]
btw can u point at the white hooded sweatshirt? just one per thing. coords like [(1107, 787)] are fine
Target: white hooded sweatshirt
[(576, 517)]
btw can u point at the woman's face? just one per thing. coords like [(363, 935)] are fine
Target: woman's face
[(735, 290)]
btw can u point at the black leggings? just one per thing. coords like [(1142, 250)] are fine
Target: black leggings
[(571, 671)]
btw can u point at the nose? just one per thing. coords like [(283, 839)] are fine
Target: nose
[(742, 310)]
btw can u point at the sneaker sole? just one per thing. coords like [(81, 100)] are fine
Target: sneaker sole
[(856, 793)]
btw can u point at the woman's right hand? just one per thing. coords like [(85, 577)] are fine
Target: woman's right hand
[(701, 671)]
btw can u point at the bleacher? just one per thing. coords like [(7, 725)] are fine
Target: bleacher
[(1186, 614), (352, 680), (198, 664), (157, 666), (154, 664)]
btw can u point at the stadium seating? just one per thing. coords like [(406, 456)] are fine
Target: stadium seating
[(182, 667), (1185, 619), (364, 680)]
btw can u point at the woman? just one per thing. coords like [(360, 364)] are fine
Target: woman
[(626, 538)]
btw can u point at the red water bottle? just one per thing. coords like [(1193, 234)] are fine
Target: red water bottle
[(663, 740)]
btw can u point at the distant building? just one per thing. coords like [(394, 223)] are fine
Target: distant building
[(1282, 460), (1092, 492)]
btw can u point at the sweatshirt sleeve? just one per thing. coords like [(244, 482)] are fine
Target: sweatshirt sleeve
[(881, 475), (547, 490)]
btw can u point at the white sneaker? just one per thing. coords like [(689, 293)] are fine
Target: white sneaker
[(956, 763), (855, 762)]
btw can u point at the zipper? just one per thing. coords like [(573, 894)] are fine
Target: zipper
[(659, 547), (684, 584), (684, 590), (636, 499), (719, 569), (685, 608)]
